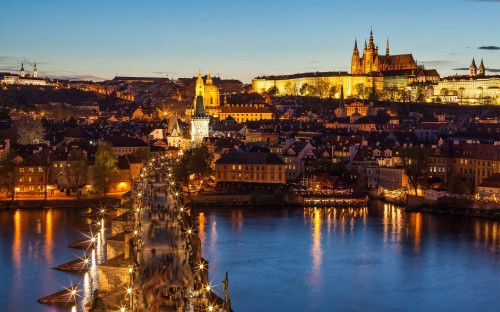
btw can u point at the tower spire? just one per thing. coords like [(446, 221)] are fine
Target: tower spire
[(387, 47), (35, 71), (371, 39), (482, 70), (342, 104), (22, 74)]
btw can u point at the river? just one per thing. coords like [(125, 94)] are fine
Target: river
[(290, 259)]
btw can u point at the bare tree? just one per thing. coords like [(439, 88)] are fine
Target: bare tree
[(29, 130), (77, 169)]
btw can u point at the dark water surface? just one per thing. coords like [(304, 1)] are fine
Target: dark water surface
[(32, 242), (290, 259), (377, 259)]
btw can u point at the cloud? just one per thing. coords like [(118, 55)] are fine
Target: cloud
[(489, 47), (436, 63), (164, 72), (76, 77), (491, 70)]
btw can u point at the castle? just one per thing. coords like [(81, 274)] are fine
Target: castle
[(371, 73)]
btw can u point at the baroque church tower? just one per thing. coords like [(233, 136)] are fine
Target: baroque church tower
[(199, 120)]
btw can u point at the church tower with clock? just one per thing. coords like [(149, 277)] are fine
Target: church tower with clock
[(199, 120)]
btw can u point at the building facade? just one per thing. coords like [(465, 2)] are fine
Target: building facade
[(240, 166)]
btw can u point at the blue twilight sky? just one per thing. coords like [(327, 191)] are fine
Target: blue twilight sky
[(240, 39)]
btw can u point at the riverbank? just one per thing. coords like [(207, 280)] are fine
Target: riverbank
[(58, 203), (450, 209)]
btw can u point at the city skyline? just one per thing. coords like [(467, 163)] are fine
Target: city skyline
[(98, 41)]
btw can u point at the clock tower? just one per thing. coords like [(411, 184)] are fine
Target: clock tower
[(199, 121)]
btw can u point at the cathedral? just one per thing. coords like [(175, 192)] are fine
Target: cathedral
[(371, 73), (371, 62)]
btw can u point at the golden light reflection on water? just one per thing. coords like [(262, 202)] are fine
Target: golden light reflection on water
[(49, 236), (335, 219), (201, 227), (237, 219), (17, 241), (316, 250), (392, 221), (486, 232)]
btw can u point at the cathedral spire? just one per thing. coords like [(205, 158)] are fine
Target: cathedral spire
[(365, 44), (371, 39), (473, 68), (387, 47), (482, 70), (342, 104)]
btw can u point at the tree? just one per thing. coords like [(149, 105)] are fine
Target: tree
[(360, 90), (7, 175), (105, 167), (303, 89), (142, 154), (77, 169), (415, 163), (457, 184), (420, 93), (195, 161), (461, 94), (273, 91), (323, 87), (29, 130), (332, 91)]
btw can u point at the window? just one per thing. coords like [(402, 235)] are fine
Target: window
[(55, 165), (31, 169), (21, 169), (29, 179)]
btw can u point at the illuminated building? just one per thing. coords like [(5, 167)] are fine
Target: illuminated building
[(245, 112), (23, 78), (240, 166), (210, 94), (199, 120), (475, 88), (370, 72)]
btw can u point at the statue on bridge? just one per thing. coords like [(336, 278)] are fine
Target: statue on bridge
[(227, 301), (97, 303)]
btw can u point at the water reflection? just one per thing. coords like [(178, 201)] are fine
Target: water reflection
[(49, 236), (316, 250)]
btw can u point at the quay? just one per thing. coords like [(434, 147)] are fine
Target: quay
[(144, 255)]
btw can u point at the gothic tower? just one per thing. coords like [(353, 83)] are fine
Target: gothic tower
[(355, 60), (370, 55), (199, 121), (473, 68), (387, 47), (481, 71)]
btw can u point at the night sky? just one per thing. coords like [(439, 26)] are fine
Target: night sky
[(240, 39)]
